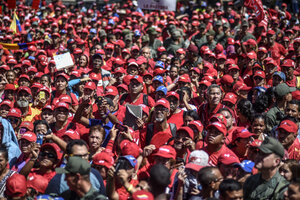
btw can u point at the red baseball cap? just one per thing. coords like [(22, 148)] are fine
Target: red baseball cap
[(90, 85), (29, 136), (109, 46), (220, 126), (130, 148), (260, 74), (228, 159), (111, 90), (230, 97), (174, 94), (26, 89), (24, 76), (62, 105), (271, 32), (218, 117), (197, 124), (288, 126), (165, 151), (49, 107), (138, 78), (145, 109), (241, 132), (181, 51), (27, 124), (55, 147), (10, 87), (65, 98), (227, 79), (187, 130), (37, 182), (184, 78), (163, 102), (16, 186), (263, 49), (233, 66), (74, 135), (125, 87), (104, 159), (205, 82), (14, 112), (7, 102), (75, 73), (230, 41), (142, 195), (296, 95), (63, 75), (252, 55), (288, 63), (196, 69)]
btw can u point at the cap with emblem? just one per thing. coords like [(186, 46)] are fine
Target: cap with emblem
[(75, 165)]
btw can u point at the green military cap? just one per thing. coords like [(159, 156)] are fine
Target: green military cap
[(128, 37), (211, 32), (102, 33), (245, 23), (145, 38), (226, 25), (283, 89), (202, 26), (271, 145), (219, 23), (75, 165), (152, 31), (176, 33)]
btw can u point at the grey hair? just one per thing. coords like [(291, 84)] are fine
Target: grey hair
[(213, 86)]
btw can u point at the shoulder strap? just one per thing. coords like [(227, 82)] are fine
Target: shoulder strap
[(145, 99), (53, 93), (149, 133), (123, 97), (173, 131), (69, 94)]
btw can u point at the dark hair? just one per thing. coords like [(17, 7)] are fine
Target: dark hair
[(271, 95), (109, 101), (4, 150), (187, 89), (229, 185), (205, 176), (174, 59), (73, 143), (259, 116), (295, 102), (245, 107), (37, 122), (159, 177), (293, 119), (191, 113), (48, 77), (261, 103)]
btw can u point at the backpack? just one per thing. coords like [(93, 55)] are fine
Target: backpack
[(149, 132), (145, 99)]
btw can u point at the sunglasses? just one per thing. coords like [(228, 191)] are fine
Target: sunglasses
[(48, 154)]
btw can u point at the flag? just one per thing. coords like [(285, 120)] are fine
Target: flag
[(15, 24), (257, 6), (16, 46)]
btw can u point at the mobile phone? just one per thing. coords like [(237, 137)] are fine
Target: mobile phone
[(39, 139), (121, 128), (42, 95)]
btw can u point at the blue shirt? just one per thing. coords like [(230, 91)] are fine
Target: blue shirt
[(107, 127)]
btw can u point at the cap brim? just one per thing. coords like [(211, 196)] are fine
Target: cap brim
[(61, 171), (194, 167), (265, 150)]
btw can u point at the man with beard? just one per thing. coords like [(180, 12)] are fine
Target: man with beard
[(268, 184), (24, 97), (176, 114), (159, 132)]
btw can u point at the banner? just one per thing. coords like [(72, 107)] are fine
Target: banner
[(257, 6), (11, 4), (63, 61), (35, 4), (169, 5)]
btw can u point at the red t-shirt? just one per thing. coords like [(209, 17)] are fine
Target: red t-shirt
[(139, 101), (204, 113), (48, 176), (59, 133), (123, 194), (214, 156), (176, 119), (294, 150), (57, 96)]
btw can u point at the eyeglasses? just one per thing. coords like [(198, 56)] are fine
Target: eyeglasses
[(48, 154)]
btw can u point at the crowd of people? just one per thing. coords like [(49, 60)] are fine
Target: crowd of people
[(198, 103)]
